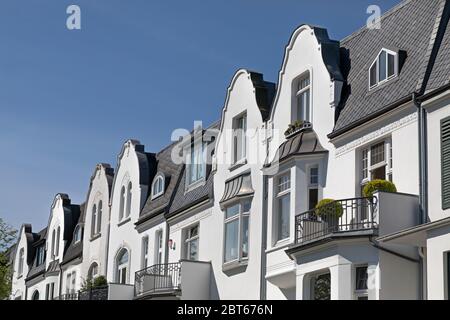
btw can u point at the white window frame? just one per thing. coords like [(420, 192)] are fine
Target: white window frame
[(94, 221), (145, 247), (68, 282), (99, 218), (366, 155), (313, 185), (129, 199), (190, 239), (74, 282), (123, 266), (376, 63), (240, 218), (299, 92), (200, 167), (21, 261), (40, 255), (77, 234), (155, 192), (278, 196), (360, 293), (159, 247), (240, 134), (91, 274), (122, 202)]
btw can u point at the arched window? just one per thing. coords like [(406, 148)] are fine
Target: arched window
[(93, 271), (58, 232), (21, 259), (122, 203), (158, 187), (77, 234), (53, 242), (94, 220), (130, 186), (122, 266), (99, 217), (35, 295)]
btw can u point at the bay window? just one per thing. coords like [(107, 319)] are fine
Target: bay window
[(283, 207)]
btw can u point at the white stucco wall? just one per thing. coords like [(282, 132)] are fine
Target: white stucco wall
[(18, 280), (95, 249)]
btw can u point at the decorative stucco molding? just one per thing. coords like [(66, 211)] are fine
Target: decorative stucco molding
[(376, 134)]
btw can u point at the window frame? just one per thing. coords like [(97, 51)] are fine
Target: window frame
[(190, 165), (77, 234), (91, 274), (361, 292), (159, 177), (376, 63), (367, 167), (278, 196), (298, 92), (40, 255), (313, 185), (21, 261), (119, 268), (189, 239), (159, 247), (242, 137), (240, 218), (145, 246)]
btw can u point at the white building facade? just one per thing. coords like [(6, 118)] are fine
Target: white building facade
[(236, 210)]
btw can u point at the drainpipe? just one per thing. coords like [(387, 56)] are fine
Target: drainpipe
[(263, 283), (423, 187)]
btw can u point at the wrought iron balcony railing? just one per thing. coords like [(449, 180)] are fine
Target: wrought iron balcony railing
[(97, 294), (159, 278), (340, 216)]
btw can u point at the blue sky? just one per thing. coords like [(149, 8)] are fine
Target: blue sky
[(137, 69)]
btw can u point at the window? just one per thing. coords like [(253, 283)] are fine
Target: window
[(68, 282), (35, 295), (237, 232), (283, 203), (144, 252), (40, 255), (191, 243), (122, 203), (21, 261), (445, 163), (77, 234), (447, 270), (93, 271), (158, 187), (94, 220), (313, 187), (53, 243), (73, 282), (49, 291), (122, 266), (158, 247), (303, 98), (197, 163), (128, 212), (376, 162), (58, 232), (383, 68), (361, 277), (99, 217), (239, 138)]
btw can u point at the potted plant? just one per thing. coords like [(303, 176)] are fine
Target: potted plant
[(295, 127), (330, 211), (378, 185)]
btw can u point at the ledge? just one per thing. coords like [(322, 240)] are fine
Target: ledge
[(95, 237), (124, 222), (235, 267), (238, 164)]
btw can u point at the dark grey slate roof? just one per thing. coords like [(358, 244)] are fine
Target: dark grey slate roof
[(406, 28), (440, 73), (38, 240), (237, 187), (183, 200), (53, 267), (75, 250), (303, 143), (264, 93), (171, 171)]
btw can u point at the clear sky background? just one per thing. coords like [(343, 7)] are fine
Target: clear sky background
[(137, 69)]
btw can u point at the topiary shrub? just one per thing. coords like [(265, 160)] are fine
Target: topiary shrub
[(293, 127), (329, 208), (378, 185), (100, 281)]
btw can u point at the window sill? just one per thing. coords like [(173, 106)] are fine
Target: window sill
[(124, 222), (283, 244), (238, 164), (235, 266), (19, 276), (95, 237), (195, 185)]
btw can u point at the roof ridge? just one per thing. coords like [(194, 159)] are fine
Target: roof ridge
[(383, 16)]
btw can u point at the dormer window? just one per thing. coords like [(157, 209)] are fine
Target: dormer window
[(77, 234), (196, 163), (384, 68), (302, 98), (158, 187)]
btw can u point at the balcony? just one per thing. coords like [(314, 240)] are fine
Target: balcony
[(186, 280), (337, 218), (94, 294), (382, 214)]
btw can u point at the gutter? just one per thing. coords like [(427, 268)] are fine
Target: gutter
[(402, 256), (263, 281)]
